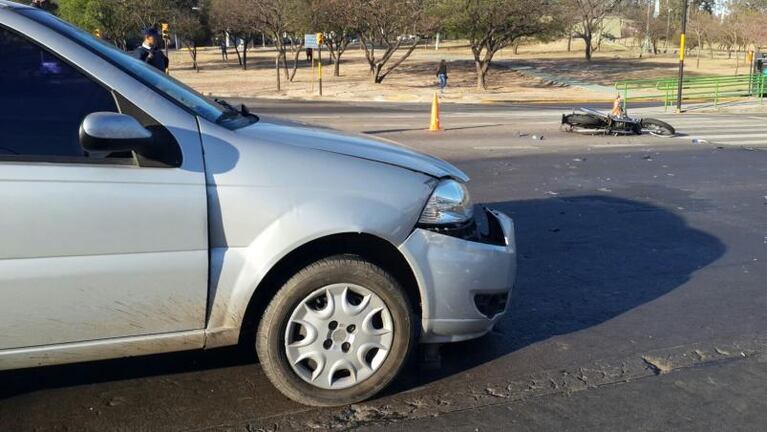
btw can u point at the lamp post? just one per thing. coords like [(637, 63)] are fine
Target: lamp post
[(681, 58)]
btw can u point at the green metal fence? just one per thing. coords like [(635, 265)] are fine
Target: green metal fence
[(703, 89)]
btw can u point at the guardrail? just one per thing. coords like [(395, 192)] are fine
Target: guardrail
[(707, 88)]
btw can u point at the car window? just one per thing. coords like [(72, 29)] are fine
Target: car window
[(151, 77), (43, 100)]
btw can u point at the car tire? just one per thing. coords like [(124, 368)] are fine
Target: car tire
[(301, 305)]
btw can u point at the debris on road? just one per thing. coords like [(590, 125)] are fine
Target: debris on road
[(659, 365), (495, 393), (721, 351)]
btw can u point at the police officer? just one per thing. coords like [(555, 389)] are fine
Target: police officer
[(149, 52)]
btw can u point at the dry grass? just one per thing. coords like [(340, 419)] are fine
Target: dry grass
[(415, 79)]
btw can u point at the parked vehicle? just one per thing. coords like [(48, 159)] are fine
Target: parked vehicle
[(140, 217), (596, 122)]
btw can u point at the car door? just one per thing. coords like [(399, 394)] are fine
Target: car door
[(92, 247)]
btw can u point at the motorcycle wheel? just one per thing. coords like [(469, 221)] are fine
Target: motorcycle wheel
[(657, 127)]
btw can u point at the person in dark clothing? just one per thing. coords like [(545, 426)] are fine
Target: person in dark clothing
[(222, 46), (442, 75), (149, 52), (45, 5)]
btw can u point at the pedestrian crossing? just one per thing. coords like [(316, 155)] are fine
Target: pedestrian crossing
[(729, 130), (716, 128)]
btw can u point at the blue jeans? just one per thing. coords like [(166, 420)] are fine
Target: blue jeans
[(442, 81)]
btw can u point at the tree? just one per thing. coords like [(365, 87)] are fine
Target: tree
[(77, 12), (114, 19), (273, 17), (334, 19), (190, 21), (235, 19), (491, 25), (589, 16), (299, 23), (700, 24), (385, 27), (645, 26)]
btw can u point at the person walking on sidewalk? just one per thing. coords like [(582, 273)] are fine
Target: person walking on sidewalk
[(442, 75)]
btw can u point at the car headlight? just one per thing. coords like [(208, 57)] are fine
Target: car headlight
[(449, 204)]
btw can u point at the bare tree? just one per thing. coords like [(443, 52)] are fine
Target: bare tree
[(191, 26), (589, 16), (335, 20), (700, 24), (385, 27), (235, 19), (296, 46), (274, 17), (491, 25)]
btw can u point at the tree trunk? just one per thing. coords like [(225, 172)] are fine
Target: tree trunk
[(193, 53), (482, 67), (237, 51), (244, 57), (296, 53), (277, 69), (387, 57), (587, 40), (697, 60), (569, 42), (337, 66), (284, 59)]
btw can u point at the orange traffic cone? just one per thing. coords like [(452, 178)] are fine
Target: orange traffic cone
[(435, 126)]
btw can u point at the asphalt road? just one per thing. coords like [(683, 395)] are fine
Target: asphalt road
[(639, 305)]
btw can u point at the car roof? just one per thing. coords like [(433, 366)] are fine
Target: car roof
[(13, 5)]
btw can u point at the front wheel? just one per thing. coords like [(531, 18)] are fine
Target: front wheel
[(657, 127), (336, 333)]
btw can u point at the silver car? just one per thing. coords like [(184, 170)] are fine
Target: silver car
[(139, 217)]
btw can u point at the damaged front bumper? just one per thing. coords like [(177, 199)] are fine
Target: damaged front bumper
[(464, 284)]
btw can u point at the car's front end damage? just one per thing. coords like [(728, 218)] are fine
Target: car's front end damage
[(464, 259)]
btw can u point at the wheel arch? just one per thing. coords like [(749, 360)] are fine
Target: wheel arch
[(370, 247)]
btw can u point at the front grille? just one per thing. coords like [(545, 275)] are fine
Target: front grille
[(490, 305)]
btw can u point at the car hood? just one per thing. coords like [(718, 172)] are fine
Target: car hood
[(359, 146)]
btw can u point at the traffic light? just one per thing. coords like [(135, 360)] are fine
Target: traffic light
[(320, 38), (165, 31), (97, 33)]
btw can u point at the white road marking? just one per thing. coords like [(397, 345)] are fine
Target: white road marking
[(740, 143), (748, 128), (623, 145), (519, 147), (730, 136)]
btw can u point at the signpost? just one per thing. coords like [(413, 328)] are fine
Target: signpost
[(681, 58), (314, 41), (320, 41)]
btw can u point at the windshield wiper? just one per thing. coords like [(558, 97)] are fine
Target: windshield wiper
[(232, 111)]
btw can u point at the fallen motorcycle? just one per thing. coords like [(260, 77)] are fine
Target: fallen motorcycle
[(593, 122)]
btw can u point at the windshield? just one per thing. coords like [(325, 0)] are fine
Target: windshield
[(217, 112)]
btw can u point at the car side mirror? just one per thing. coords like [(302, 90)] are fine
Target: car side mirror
[(113, 132)]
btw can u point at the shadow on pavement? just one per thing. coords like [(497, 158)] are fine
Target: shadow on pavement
[(582, 261)]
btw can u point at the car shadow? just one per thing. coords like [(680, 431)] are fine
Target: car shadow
[(582, 260)]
